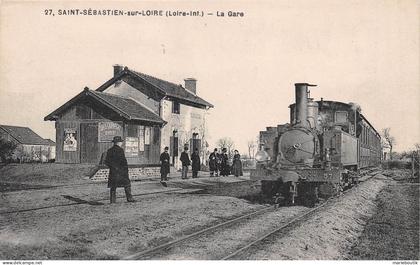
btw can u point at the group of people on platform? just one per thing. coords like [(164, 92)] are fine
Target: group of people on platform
[(118, 167), (218, 164)]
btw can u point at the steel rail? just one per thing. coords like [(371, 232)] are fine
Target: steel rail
[(276, 230), (87, 202), (149, 252), (195, 234), (288, 224)]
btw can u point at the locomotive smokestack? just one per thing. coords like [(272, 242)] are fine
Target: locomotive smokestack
[(301, 93)]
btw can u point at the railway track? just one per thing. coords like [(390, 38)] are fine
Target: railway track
[(91, 202), (31, 186), (150, 252), (292, 222)]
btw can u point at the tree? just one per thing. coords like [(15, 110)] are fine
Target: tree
[(251, 148), (6, 148), (416, 148), (389, 140), (227, 143)]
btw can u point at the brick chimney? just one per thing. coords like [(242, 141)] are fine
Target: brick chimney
[(117, 69), (190, 84)]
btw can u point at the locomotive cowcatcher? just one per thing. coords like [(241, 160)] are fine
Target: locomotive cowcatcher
[(319, 153)]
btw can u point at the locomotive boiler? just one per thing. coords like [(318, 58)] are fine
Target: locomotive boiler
[(320, 151)]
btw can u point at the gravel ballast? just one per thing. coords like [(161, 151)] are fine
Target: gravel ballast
[(330, 232)]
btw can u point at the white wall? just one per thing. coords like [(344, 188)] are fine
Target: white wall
[(124, 89), (190, 120)]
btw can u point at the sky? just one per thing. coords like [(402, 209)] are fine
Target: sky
[(361, 51)]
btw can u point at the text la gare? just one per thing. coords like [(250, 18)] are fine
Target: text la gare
[(230, 14)]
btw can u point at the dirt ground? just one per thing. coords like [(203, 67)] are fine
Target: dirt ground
[(86, 231), (378, 219), (111, 231), (393, 231)]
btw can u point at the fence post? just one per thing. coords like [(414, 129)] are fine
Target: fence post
[(413, 160), (418, 161)]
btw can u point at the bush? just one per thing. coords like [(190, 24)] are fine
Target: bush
[(6, 149), (399, 164)]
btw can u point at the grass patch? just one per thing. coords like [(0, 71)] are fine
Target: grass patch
[(46, 174), (393, 232)]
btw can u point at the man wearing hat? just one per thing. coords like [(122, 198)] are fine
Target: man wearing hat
[(185, 160), (164, 166), (118, 170)]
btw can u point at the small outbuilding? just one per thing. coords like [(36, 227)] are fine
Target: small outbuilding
[(30, 146), (86, 124)]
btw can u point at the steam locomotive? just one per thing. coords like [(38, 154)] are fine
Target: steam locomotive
[(319, 153)]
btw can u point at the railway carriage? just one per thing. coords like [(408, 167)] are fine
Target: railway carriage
[(320, 151)]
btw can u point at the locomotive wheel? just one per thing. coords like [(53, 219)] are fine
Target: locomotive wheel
[(270, 188)]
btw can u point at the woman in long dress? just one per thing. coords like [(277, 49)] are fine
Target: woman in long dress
[(237, 165), (225, 168)]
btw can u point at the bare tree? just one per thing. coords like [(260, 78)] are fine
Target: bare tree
[(227, 143), (389, 140), (251, 148)]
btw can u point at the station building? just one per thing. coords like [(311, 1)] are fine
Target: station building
[(148, 112)]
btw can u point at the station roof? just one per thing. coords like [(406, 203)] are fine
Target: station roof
[(165, 88), (126, 107)]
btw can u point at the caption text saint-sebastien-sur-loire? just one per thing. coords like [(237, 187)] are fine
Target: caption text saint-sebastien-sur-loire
[(141, 13)]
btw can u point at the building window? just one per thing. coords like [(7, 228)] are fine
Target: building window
[(156, 135), (132, 130), (195, 142), (176, 107), (174, 144)]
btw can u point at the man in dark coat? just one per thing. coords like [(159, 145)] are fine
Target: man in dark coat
[(164, 166), (213, 163), (185, 160), (118, 170), (195, 158)]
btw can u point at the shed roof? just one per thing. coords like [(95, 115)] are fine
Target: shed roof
[(24, 135), (126, 107), (165, 87), (50, 142)]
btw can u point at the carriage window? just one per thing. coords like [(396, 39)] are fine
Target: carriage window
[(341, 116)]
